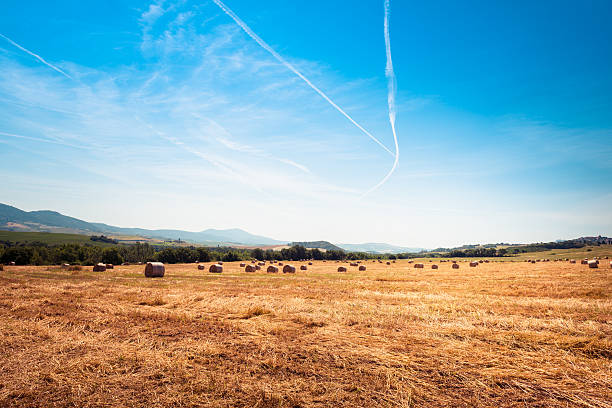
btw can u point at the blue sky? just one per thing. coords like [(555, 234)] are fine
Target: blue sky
[(167, 114)]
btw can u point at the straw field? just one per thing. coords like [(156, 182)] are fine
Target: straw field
[(500, 334)]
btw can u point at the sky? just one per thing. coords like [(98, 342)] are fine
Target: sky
[(168, 114)]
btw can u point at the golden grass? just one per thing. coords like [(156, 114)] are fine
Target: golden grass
[(500, 334)]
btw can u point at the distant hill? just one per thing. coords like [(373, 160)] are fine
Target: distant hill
[(328, 246), (14, 219), (378, 248)]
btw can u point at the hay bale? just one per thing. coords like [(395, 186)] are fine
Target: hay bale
[(261, 263), (455, 266), (353, 263), (309, 263), (532, 261), (388, 263), (288, 269), (220, 263), (65, 266), (1, 267), (473, 264), (99, 267), (593, 264), (201, 267), (250, 268), (584, 262), (419, 266), (125, 264), (242, 264), (434, 266), (12, 263), (257, 267), (215, 268), (362, 267), (303, 268), (272, 269), (572, 261), (155, 270), (109, 266), (341, 269), (280, 264)]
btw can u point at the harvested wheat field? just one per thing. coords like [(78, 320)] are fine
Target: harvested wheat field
[(499, 334)]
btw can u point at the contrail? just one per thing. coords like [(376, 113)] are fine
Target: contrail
[(38, 57), (276, 55), (391, 85)]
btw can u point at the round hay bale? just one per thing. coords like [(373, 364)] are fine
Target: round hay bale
[(125, 264), (309, 263), (584, 262), (99, 267), (257, 267), (362, 267), (242, 264), (12, 263), (419, 266), (261, 263), (388, 263), (215, 268), (249, 268), (473, 264), (572, 261), (353, 264), (342, 269), (280, 264), (288, 269), (303, 268), (110, 266), (155, 270), (455, 266), (593, 264), (65, 266), (201, 267), (220, 263), (272, 269), (434, 266)]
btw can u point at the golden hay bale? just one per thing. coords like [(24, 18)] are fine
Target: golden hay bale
[(353, 263), (201, 267), (388, 263), (249, 268), (261, 263), (303, 268), (532, 261), (215, 268), (593, 264), (99, 267), (280, 264), (12, 263), (65, 266), (288, 269), (362, 267), (393, 261), (109, 266), (455, 266), (473, 264), (257, 267), (584, 262), (341, 269), (155, 270), (573, 261), (419, 266), (219, 263), (272, 269), (434, 266), (309, 263), (242, 264)]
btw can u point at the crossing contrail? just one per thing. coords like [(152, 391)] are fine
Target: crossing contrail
[(283, 61), (38, 57), (391, 86)]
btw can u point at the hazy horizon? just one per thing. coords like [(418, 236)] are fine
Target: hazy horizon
[(170, 115)]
